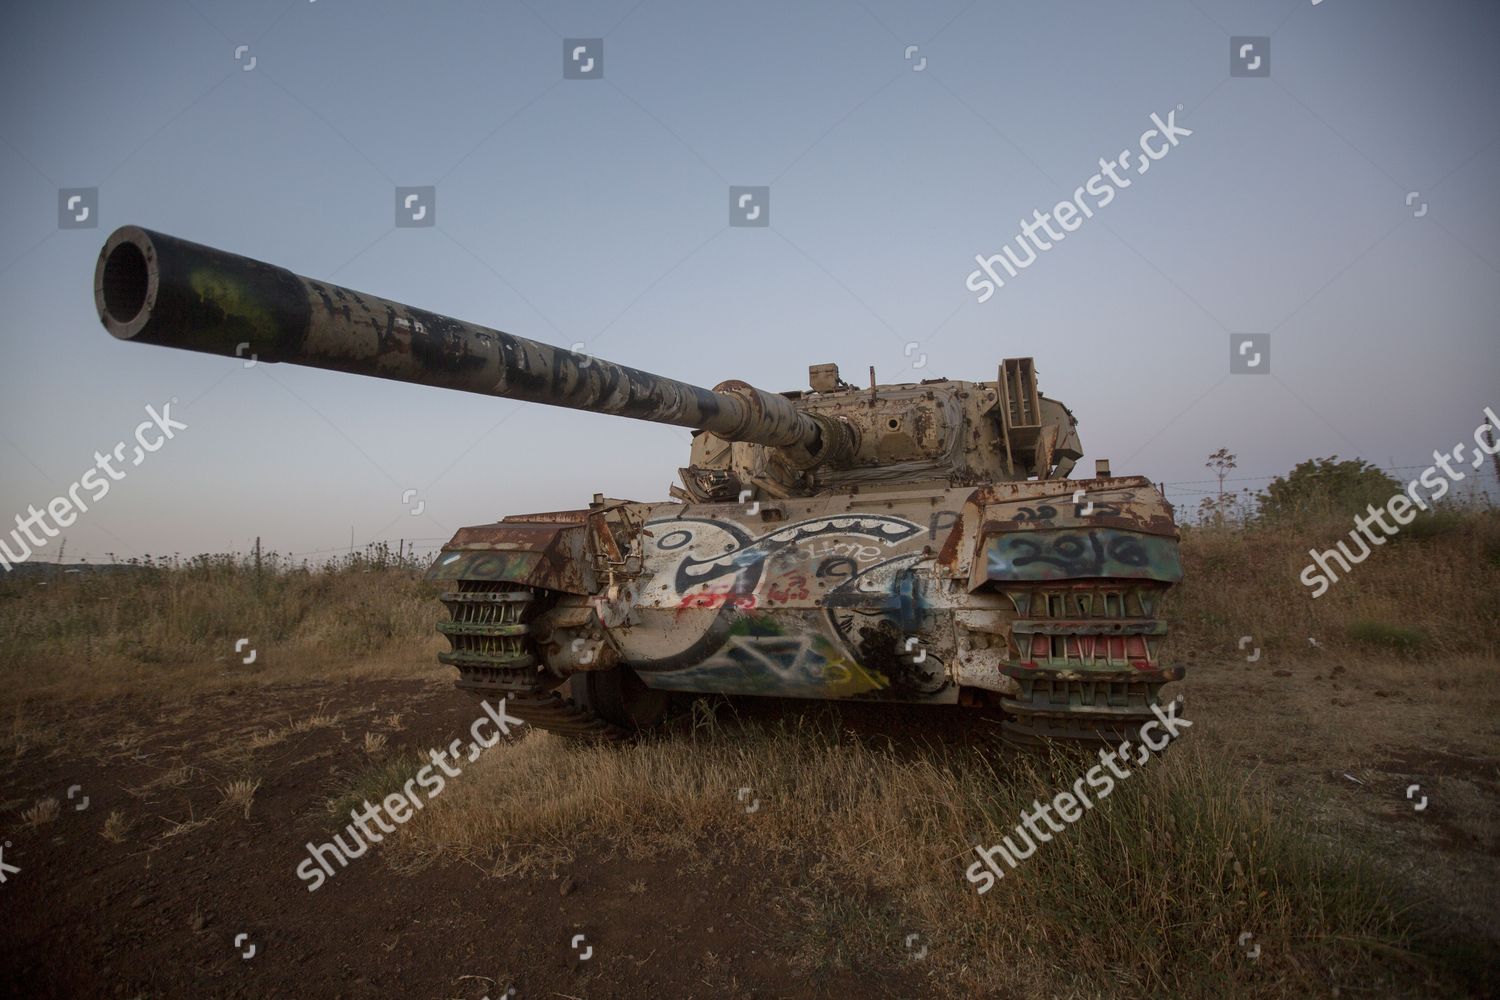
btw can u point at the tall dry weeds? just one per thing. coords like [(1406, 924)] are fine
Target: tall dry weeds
[(1147, 894), (1437, 582), (158, 624)]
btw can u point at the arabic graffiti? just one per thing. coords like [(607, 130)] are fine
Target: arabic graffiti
[(1041, 512)]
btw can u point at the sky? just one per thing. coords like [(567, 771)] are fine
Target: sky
[(1341, 202)]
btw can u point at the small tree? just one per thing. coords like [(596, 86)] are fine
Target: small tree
[(1219, 507), (1322, 486)]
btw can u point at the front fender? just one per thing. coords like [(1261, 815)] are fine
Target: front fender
[(545, 554)]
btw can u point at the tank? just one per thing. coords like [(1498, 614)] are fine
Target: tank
[(917, 542)]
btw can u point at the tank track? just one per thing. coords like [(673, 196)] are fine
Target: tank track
[(492, 648), (490, 634), (1108, 710)]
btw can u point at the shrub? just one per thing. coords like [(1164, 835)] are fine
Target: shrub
[(1321, 486)]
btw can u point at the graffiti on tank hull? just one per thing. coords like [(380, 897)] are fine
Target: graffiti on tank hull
[(762, 655), (877, 630), (821, 551), (883, 647), (808, 609), (793, 588), (737, 554), (717, 599), (1041, 512), (1099, 552), (837, 568)]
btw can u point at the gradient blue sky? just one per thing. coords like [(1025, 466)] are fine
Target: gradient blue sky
[(596, 212)]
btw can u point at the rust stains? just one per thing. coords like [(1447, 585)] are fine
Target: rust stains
[(546, 554)]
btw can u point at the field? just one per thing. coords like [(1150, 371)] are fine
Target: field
[(1327, 826)]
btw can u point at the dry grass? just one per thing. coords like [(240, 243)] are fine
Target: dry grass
[(1356, 705), (173, 777), (267, 739), (1432, 590), (116, 827), (172, 625), (1147, 894), (45, 811), (1386, 723), (178, 828), (320, 719), (28, 735), (239, 794), (168, 625)]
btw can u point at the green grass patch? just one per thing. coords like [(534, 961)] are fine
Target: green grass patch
[(1433, 525), (1394, 638), (375, 783)]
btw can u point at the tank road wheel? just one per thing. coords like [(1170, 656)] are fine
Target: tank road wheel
[(619, 696)]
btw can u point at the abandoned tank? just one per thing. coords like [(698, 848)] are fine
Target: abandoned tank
[(916, 543)]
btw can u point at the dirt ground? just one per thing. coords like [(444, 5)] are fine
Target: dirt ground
[(160, 913), (181, 894)]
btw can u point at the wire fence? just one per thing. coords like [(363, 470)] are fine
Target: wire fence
[(1171, 488), (1481, 486), (402, 545)]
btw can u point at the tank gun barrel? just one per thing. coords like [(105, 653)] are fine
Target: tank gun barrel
[(157, 289)]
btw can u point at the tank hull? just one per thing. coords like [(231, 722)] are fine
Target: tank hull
[(976, 595)]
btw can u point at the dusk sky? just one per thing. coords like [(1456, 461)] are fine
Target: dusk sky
[(1343, 204)]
